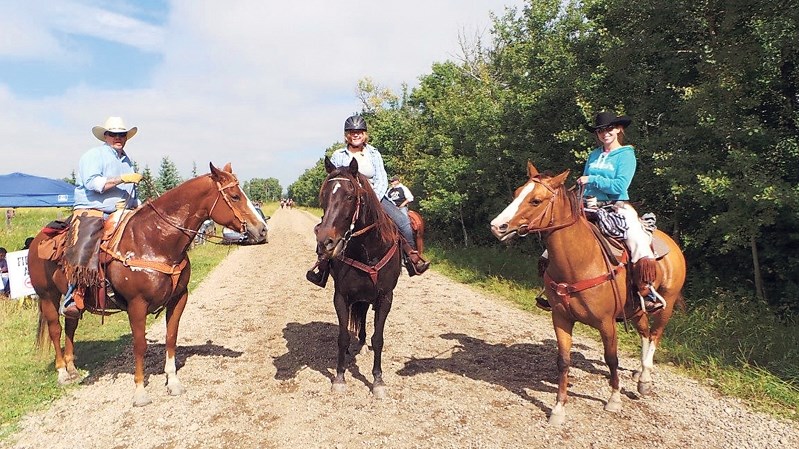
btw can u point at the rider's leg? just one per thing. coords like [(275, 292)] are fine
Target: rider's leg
[(323, 263), (416, 265), (541, 300), (69, 308), (643, 258)]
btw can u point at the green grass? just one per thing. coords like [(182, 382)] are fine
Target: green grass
[(735, 344), (28, 379)]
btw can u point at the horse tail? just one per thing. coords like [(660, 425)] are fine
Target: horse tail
[(42, 334), (357, 318)]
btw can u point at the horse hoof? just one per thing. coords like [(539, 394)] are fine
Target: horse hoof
[(339, 387), (379, 391), (175, 389), (141, 401), (557, 419), (613, 406), (636, 375), (645, 388)]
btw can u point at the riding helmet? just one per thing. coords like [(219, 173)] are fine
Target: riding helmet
[(355, 123)]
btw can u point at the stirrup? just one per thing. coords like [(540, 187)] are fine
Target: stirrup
[(69, 308), (653, 302)]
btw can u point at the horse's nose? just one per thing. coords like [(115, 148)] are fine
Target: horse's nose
[(329, 244)]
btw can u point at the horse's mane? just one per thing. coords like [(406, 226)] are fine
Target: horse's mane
[(371, 208)]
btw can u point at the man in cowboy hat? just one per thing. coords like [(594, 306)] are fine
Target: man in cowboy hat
[(105, 183)]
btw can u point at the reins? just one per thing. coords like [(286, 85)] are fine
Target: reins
[(565, 290), (372, 270)]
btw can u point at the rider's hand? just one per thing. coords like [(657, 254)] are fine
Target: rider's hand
[(582, 180), (130, 177)]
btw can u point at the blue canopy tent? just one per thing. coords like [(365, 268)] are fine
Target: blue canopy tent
[(21, 190)]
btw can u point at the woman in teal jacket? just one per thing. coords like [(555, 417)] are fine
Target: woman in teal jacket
[(606, 179)]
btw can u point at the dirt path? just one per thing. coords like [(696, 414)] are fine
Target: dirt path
[(257, 355)]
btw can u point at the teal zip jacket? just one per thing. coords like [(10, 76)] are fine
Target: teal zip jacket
[(610, 174)]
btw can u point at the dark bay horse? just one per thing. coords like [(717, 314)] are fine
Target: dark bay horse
[(149, 268), (583, 285), (362, 243)]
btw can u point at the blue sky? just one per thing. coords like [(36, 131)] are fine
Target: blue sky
[(263, 85)]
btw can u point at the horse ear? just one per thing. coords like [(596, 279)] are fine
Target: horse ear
[(329, 167), (354, 167), (228, 168), (214, 170), (531, 170), (558, 181)]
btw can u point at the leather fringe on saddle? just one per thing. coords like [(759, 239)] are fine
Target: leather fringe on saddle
[(645, 273), (81, 256)]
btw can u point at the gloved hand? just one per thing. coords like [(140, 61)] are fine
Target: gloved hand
[(130, 177)]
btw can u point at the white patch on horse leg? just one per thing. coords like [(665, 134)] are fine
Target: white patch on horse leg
[(505, 216), (647, 360), (140, 396), (173, 384)]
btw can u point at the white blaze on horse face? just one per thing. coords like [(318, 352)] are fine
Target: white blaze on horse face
[(254, 212), (513, 208), (335, 187)]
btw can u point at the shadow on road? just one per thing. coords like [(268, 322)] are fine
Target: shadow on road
[(515, 367)]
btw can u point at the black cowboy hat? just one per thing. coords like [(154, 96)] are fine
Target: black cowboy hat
[(605, 119)]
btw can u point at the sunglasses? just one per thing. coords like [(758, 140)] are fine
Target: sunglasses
[(116, 135), (605, 129)]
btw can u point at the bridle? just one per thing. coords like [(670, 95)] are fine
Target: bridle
[(220, 193), (349, 234), (575, 214)]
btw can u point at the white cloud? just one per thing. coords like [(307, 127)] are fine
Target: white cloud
[(262, 85)]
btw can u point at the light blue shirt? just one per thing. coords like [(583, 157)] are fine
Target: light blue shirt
[(379, 180), (94, 169)]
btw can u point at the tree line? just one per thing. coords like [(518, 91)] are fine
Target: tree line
[(151, 186), (712, 87)]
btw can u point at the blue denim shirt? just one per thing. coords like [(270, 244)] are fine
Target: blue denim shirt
[(94, 168), (379, 181)]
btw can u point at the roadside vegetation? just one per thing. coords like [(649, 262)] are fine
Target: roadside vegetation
[(28, 378)]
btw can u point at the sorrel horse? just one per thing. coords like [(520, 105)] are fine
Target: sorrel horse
[(148, 270), (361, 242), (417, 224), (583, 285)]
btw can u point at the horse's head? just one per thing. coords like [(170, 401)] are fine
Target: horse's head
[(348, 201), (233, 209), (532, 208)]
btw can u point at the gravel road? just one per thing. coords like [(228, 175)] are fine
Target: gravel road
[(257, 349)]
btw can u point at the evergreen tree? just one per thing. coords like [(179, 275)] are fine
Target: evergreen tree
[(168, 176)]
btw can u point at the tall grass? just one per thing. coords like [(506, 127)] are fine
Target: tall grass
[(27, 377), (735, 344)]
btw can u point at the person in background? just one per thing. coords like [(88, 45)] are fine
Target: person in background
[(28, 242), (606, 179), (399, 194), (4, 272), (106, 182), (370, 164)]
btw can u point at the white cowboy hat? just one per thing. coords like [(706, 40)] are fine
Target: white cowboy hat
[(114, 125)]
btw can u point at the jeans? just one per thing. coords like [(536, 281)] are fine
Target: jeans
[(399, 217)]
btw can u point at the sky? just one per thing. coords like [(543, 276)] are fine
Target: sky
[(263, 85)]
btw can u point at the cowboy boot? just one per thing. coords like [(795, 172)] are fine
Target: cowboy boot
[(644, 274), (319, 277), (414, 262), (69, 308)]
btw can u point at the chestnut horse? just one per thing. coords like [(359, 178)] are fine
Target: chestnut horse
[(417, 224), (583, 285), (361, 242), (148, 269)]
